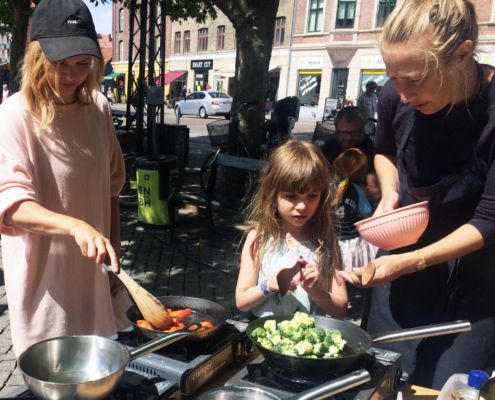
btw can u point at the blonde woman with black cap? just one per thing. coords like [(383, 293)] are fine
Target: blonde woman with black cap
[(61, 170)]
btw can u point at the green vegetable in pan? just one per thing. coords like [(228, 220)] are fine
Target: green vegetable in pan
[(299, 337)]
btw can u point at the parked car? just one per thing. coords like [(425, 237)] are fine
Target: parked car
[(204, 103)]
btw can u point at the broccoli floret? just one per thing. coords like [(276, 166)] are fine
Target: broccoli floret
[(314, 335), (284, 327), (335, 337), (279, 348), (303, 348), (303, 320), (270, 326), (333, 352), (276, 338), (296, 335), (267, 344), (319, 349), (321, 333), (259, 332)]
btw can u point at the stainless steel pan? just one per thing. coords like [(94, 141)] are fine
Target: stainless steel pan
[(323, 391), (81, 367)]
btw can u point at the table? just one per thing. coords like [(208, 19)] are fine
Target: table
[(418, 393)]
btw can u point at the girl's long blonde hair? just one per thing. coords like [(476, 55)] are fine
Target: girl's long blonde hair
[(350, 165), (39, 95), (295, 167)]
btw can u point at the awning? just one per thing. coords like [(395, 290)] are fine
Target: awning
[(114, 75), (172, 76)]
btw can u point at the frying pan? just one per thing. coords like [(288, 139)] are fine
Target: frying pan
[(81, 367), (323, 391), (202, 310), (358, 343)]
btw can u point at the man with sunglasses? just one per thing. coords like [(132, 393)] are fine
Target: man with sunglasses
[(350, 132)]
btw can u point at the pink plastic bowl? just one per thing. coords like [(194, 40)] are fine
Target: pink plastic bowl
[(396, 228)]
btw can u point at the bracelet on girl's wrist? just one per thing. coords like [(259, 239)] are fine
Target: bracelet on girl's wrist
[(421, 265), (263, 286)]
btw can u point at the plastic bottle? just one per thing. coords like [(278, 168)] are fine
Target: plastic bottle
[(471, 391)]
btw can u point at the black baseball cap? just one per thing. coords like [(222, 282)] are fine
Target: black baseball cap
[(64, 29)]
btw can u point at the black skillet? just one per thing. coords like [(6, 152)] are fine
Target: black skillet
[(203, 310), (358, 343)]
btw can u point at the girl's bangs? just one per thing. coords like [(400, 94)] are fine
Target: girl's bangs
[(302, 178)]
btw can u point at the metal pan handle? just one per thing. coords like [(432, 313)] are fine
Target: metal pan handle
[(156, 344), (334, 386), (423, 332)]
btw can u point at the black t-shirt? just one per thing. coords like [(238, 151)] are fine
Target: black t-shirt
[(332, 149), (348, 213), (441, 143)]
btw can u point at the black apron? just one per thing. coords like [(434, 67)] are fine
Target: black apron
[(462, 288)]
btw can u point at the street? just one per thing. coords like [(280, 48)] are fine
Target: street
[(197, 125)]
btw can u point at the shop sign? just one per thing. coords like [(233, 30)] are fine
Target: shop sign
[(201, 64), (311, 63), (372, 62)]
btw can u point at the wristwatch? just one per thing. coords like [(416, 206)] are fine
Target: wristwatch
[(263, 285)]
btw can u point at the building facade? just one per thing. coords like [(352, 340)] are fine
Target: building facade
[(324, 51)]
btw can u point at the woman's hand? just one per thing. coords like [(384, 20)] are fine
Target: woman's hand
[(94, 245), (387, 269), (389, 202)]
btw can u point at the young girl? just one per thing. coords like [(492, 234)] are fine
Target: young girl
[(61, 170), (351, 167), (291, 216)]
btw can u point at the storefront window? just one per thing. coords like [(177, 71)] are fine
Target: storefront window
[(377, 75), (308, 87)]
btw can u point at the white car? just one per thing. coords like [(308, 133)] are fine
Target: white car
[(204, 103)]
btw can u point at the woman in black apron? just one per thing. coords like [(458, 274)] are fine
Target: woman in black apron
[(435, 142)]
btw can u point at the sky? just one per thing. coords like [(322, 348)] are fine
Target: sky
[(102, 16)]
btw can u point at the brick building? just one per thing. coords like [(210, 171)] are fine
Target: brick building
[(323, 49)]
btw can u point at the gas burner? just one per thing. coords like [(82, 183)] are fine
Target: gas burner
[(185, 368), (133, 386), (382, 365)]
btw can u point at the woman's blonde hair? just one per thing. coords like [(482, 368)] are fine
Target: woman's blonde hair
[(350, 165), (40, 96), (439, 26), (295, 167)]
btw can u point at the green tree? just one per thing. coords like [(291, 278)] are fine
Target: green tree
[(253, 21)]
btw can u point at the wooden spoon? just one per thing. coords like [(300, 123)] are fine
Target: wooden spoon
[(366, 273), (284, 277), (151, 308)]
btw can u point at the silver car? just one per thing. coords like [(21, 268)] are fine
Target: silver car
[(204, 103)]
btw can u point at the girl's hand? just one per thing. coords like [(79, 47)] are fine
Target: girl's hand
[(308, 276), (94, 245), (387, 269), (389, 202)]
